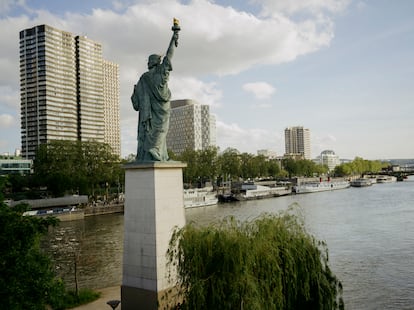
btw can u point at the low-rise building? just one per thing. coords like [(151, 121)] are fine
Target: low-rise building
[(15, 164)]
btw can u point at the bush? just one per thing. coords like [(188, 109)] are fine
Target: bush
[(270, 263), (27, 279), (69, 299)]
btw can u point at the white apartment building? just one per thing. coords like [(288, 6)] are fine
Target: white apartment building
[(330, 159), (61, 88), (297, 142), (191, 126)]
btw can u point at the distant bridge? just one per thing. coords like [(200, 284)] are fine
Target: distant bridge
[(407, 169)]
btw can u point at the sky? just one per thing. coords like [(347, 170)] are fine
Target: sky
[(341, 68)]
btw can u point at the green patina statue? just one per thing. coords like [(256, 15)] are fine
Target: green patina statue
[(151, 97)]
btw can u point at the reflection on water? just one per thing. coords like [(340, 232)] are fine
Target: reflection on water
[(95, 244), (369, 233)]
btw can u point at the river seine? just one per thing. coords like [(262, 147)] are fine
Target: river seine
[(369, 232)]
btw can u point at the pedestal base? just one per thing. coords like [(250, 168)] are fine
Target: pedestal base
[(154, 207), (137, 298)]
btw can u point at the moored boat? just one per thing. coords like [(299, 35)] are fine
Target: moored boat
[(361, 182), (199, 197), (386, 179), (253, 191), (314, 187)]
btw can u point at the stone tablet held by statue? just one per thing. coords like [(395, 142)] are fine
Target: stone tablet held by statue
[(151, 98)]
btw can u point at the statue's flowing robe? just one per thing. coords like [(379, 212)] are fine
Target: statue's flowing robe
[(151, 97)]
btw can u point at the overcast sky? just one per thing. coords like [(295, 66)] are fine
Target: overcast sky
[(342, 68)]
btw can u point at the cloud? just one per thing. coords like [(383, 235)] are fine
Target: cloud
[(7, 5), (215, 41), (191, 88), (247, 140), (6, 121), (320, 143), (316, 7), (361, 5), (261, 90)]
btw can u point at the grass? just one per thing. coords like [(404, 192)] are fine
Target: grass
[(71, 300)]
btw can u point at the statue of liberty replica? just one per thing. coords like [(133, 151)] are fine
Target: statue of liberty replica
[(151, 98)]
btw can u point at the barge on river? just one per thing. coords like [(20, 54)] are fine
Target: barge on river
[(321, 186), (199, 197)]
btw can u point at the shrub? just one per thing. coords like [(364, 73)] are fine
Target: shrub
[(269, 263)]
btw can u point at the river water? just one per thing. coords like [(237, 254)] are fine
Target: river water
[(369, 232)]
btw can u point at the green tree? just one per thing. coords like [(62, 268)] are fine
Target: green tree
[(270, 263), (261, 163), (27, 280), (343, 170), (359, 166), (303, 167), (249, 167), (190, 173), (208, 164), (229, 164), (273, 168), (75, 166), (290, 166)]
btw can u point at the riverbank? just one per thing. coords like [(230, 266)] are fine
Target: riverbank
[(103, 209), (107, 294)]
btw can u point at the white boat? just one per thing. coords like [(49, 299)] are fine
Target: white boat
[(253, 191), (372, 178), (361, 182), (313, 187), (386, 179), (199, 197)]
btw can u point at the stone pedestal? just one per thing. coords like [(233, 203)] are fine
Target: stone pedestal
[(153, 208)]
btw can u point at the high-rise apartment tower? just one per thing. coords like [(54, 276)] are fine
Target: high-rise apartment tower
[(112, 133), (191, 126), (297, 142), (62, 89)]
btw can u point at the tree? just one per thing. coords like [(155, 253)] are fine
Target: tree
[(270, 263), (273, 168), (208, 164), (75, 166), (359, 166), (303, 167), (229, 164), (290, 166), (27, 280), (248, 166), (190, 173)]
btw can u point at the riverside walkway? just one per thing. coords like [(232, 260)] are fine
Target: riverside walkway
[(107, 294)]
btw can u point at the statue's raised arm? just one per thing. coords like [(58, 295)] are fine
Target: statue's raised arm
[(174, 39)]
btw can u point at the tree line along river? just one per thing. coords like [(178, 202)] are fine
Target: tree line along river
[(369, 232)]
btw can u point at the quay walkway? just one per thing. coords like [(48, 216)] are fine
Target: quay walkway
[(107, 294)]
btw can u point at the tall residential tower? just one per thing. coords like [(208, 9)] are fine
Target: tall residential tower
[(62, 89), (297, 142), (191, 126), (112, 133)]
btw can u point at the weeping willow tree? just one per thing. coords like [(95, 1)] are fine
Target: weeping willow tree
[(269, 263)]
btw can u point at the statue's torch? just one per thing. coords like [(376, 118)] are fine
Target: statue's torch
[(176, 28)]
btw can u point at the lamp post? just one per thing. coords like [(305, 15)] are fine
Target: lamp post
[(113, 303)]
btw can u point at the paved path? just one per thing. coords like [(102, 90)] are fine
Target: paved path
[(109, 293)]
